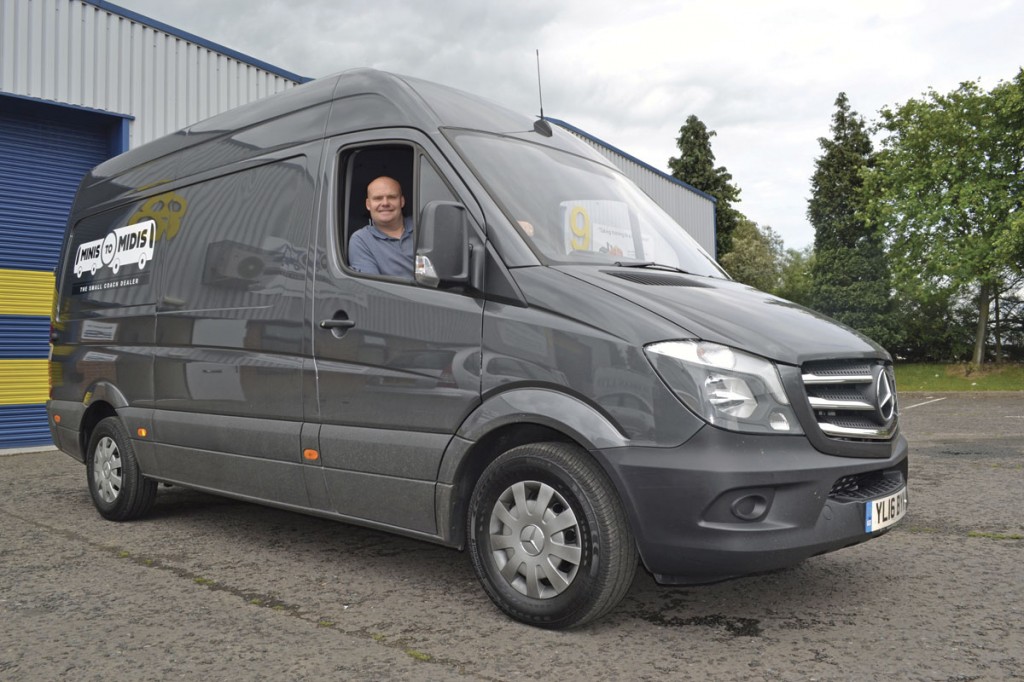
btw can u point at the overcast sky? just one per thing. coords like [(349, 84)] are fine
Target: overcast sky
[(764, 75)]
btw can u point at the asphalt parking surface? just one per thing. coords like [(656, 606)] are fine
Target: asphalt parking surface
[(211, 588)]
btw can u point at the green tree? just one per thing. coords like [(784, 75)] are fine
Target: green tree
[(796, 283), (935, 322), (695, 165), (756, 256), (948, 187), (1011, 308), (850, 275)]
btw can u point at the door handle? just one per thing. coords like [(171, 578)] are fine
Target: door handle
[(337, 324)]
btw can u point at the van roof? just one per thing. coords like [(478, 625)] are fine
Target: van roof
[(359, 99)]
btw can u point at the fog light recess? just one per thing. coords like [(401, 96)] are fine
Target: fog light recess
[(749, 507)]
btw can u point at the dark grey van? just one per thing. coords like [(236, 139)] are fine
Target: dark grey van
[(568, 387)]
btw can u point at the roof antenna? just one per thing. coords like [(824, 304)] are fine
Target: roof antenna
[(540, 93), (541, 126)]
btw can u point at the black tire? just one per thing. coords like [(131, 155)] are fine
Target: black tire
[(118, 488), (548, 537)]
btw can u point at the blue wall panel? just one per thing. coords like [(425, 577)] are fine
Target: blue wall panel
[(23, 426), (45, 150), (24, 337)]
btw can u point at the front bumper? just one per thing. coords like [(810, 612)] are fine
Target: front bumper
[(727, 504)]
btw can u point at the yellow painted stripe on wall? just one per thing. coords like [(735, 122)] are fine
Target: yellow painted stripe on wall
[(24, 292), (24, 382)]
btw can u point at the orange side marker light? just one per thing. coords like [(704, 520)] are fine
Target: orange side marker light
[(142, 432), (311, 455), (56, 419)]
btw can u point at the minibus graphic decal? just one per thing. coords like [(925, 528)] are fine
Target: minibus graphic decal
[(121, 246)]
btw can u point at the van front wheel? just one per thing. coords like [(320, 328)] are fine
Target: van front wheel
[(548, 538), (118, 488)]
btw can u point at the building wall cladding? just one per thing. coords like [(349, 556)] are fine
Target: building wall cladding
[(102, 77), (100, 56)]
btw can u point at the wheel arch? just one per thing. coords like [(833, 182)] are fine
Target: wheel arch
[(102, 400), (506, 421), (94, 414)]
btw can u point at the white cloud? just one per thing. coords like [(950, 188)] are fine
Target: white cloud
[(764, 75)]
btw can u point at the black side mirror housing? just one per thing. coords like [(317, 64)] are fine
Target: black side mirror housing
[(442, 244)]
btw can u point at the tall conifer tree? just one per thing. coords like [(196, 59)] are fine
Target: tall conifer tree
[(695, 165), (850, 275)]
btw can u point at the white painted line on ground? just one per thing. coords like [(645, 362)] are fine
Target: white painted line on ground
[(927, 402), (26, 451)]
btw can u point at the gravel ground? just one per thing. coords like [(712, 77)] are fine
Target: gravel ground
[(210, 588)]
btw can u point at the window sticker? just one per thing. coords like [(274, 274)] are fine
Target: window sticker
[(608, 227), (122, 246)]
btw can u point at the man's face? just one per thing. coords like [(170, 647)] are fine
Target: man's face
[(384, 201)]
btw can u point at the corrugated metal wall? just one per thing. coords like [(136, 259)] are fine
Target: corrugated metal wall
[(96, 55), (692, 209), (80, 82), (44, 151)]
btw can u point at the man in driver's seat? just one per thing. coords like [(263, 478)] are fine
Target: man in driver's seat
[(385, 246)]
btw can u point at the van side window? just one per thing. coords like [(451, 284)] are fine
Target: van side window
[(236, 243), (432, 186), (420, 183), (372, 252)]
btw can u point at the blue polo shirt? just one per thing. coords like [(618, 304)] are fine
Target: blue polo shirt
[(374, 253)]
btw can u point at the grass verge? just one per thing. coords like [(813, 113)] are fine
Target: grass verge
[(961, 377)]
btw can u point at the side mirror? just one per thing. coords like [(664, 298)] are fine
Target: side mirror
[(442, 244)]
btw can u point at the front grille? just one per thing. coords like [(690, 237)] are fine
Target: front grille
[(853, 400), (867, 486)]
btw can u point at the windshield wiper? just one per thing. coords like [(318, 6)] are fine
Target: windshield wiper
[(652, 265)]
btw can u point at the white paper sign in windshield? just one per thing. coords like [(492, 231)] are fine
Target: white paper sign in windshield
[(606, 227)]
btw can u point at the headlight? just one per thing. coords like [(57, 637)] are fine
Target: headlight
[(728, 388)]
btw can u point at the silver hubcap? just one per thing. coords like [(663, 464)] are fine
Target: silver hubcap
[(106, 469), (535, 539)]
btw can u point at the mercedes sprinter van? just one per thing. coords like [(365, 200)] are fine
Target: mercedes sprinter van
[(567, 386)]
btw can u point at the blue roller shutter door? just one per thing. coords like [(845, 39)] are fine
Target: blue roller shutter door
[(45, 150)]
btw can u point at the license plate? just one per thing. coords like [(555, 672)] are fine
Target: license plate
[(884, 512)]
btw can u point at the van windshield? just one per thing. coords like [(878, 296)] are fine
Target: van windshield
[(574, 210)]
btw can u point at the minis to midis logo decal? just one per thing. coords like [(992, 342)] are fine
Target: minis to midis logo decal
[(121, 246)]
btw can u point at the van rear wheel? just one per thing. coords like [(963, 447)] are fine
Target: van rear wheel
[(548, 537), (119, 490)]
